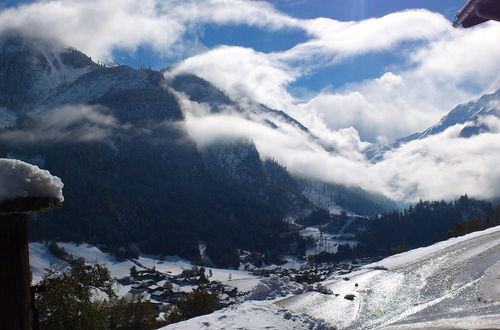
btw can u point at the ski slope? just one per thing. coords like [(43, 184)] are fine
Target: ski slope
[(451, 284)]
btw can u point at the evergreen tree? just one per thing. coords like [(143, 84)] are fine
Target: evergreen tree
[(135, 315), (199, 302), (133, 272), (67, 303)]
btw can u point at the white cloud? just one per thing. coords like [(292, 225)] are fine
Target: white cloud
[(243, 73), (291, 146), (370, 114), (66, 124), (334, 40), (442, 167), (97, 27), (380, 109), (440, 75), (461, 56), (444, 68)]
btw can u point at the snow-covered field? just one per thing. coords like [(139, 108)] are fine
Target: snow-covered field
[(41, 259), (451, 284), (251, 315)]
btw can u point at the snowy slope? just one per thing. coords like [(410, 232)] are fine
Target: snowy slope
[(97, 83), (452, 283), (41, 259), (251, 315), (455, 283)]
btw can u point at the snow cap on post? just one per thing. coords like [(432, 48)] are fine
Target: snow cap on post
[(25, 188)]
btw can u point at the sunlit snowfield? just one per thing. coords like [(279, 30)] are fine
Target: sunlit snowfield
[(452, 283)]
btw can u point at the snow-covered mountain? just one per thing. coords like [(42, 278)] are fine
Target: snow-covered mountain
[(115, 136), (32, 69), (472, 114)]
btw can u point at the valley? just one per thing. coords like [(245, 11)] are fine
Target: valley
[(242, 164)]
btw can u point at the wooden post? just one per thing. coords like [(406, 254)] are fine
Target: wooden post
[(15, 275), (15, 278)]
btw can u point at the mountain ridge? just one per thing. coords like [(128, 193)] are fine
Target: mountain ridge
[(471, 113), (135, 167)]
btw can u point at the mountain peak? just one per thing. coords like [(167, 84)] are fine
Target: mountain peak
[(472, 112), (30, 68)]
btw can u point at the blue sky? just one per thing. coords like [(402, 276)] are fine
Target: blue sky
[(346, 10)]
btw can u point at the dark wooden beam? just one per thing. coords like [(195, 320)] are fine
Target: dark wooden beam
[(15, 275)]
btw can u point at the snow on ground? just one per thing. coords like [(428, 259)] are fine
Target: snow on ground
[(172, 265), (347, 224), (274, 287), (93, 255), (242, 280), (40, 259), (324, 242), (20, 179), (450, 284), (183, 288), (250, 315), (473, 322)]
